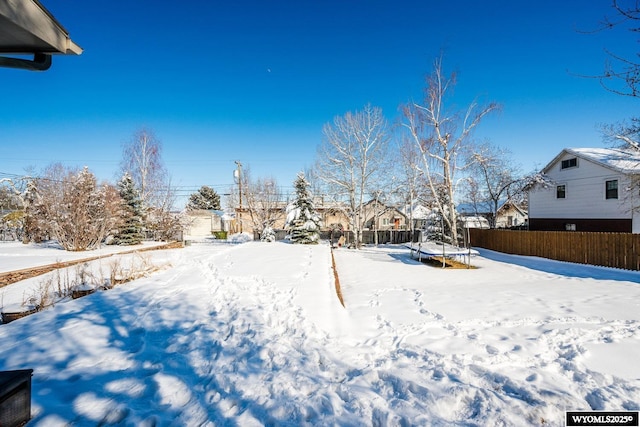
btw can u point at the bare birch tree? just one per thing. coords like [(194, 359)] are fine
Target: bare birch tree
[(142, 159), (441, 137), (351, 154), (493, 178)]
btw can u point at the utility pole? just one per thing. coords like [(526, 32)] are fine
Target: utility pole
[(238, 176)]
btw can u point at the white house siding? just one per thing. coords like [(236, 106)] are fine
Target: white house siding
[(585, 193)]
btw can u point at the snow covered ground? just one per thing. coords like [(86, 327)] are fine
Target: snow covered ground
[(253, 334), (15, 255)]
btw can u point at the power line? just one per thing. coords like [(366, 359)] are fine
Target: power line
[(11, 175)]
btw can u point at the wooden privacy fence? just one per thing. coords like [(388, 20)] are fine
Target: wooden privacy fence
[(619, 250), (369, 236)]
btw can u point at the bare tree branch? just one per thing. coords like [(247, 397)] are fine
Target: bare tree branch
[(441, 137), (621, 75), (142, 159), (352, 153)]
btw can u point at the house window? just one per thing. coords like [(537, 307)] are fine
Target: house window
[(385, 221), (611, 189), (570, 227), (569, 163), (561, 192)]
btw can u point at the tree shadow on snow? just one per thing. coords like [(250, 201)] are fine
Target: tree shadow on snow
[(124, 358), (405, 258)]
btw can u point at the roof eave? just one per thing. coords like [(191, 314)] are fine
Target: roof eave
[(31, 29), (582, 156)]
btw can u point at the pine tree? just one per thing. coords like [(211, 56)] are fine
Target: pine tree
[(303, 220), (206, 198), (130, 232), (268, 235)]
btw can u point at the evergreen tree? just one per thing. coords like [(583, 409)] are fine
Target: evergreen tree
[(130, 232), (34, 223), (302, 219), (268, 235), (206, 198)]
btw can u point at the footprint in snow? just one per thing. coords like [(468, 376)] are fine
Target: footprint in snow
[(491, 350)]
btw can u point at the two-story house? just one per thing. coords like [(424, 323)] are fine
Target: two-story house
[(588, 189)]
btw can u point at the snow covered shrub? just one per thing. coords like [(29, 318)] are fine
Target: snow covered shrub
[(12, 225), (165, 225), (240, 238), (268, 235)]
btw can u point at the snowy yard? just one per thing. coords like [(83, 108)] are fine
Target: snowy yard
[(253, 334), (16, 256)]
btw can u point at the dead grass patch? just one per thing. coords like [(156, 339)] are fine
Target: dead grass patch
[(336, 279), (450, 263)]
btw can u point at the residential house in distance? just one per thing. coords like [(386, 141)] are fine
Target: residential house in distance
[(511, 215), (474, 215), (378, 216), (480, 215), (418, 214), (591, 189), (482, 209), (332, 216), (474, 221)]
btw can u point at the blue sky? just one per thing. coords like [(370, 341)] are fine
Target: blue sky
[(255, 81)]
